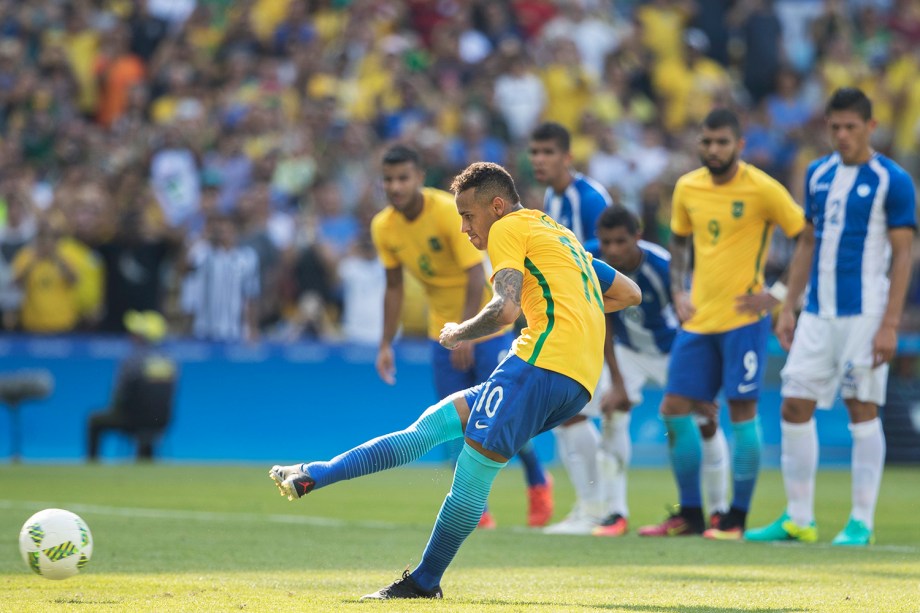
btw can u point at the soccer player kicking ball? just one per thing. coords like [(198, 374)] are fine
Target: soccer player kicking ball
[(729, 208), (861, 211), (417, 232), (542, 271)]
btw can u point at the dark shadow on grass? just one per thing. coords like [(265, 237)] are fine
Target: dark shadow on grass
[(79, 600), (698, 579), (629, 607)]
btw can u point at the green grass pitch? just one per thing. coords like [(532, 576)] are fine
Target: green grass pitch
[(209, 537)]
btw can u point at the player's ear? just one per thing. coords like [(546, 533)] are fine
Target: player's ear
[(497, 205)]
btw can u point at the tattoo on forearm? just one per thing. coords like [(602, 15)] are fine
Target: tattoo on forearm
[(507, 287), (679, 258)]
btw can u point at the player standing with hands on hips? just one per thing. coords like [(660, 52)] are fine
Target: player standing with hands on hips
[(853, 263), (729, 209), (542, 271)]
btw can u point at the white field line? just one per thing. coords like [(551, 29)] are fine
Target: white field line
[(326, 522), (209, 516), (878, 548)]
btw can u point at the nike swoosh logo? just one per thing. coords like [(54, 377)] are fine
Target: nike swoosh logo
[(480, 426), (745, 388)]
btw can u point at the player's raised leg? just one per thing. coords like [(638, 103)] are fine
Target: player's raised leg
[(438, 424)]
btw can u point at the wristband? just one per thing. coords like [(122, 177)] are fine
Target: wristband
[(779, 291)]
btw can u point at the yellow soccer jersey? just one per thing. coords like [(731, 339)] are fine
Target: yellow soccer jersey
[(432, 248), (732, 225), (561, 296)]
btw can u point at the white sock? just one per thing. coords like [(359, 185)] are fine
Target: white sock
[(799, 461), (613, 459), (867, 465), (578, 452), (715, 472)]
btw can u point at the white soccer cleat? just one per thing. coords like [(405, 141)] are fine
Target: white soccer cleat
[(574, 524)]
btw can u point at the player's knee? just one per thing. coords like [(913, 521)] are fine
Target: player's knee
[(675, 405), (797, 410), (708, 428), (861, 411), (742, 410)]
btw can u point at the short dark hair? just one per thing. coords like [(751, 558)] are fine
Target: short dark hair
[(617, 216), (555, 132), (490, 179), (850, 99), (400, 154), (723, 118)]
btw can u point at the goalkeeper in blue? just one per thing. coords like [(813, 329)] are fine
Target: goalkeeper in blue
[(540, 270)]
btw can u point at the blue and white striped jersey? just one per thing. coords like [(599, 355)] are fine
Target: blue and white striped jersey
[(649, 327), (852, 208), (578, 207)]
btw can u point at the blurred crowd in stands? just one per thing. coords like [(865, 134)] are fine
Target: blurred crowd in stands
[(218, 160)]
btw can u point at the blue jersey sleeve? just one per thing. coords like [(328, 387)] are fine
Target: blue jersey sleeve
[(605, 273), (809, 195), (901, 204), (592, 205)]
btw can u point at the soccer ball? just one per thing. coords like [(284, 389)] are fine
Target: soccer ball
[(55, 543)]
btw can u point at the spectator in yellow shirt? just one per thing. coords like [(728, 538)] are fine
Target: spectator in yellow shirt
[(47, 273)]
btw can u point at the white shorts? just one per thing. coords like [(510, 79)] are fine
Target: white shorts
[(828, 354), (637, 370)]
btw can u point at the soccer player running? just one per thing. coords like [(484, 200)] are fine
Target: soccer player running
[(637, 354), (575, 201), (729, 209), (419, 231), (853, 263), (554, 364)]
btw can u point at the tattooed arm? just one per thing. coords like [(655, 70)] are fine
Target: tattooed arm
[(501, 311)]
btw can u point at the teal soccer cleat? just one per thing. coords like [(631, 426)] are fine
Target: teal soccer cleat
[(854, 534), (783, 529)]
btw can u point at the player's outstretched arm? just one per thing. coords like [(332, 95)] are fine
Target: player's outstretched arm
[(619, 290), (622, 293), (501, 311)]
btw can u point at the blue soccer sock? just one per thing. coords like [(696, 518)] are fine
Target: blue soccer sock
[(438, 424), (685, 447), (745, 461), (533, 469), (459, 514)]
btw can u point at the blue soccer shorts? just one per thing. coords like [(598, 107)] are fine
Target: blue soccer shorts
[(733, 361), (518, 402), (487, 355)]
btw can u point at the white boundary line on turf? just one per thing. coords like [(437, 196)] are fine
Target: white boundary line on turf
[(326, 522), (879, 548), (177, 514)]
